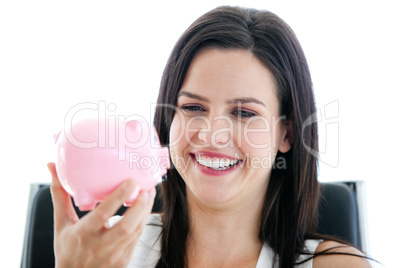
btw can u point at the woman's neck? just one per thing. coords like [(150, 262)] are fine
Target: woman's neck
[(224, 233)]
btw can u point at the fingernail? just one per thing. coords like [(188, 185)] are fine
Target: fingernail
[(129, 186), (50, 168)]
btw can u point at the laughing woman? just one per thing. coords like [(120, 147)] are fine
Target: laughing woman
[(243, 189)]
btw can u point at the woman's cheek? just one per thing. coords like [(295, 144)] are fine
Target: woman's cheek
[(256, 141), (256, 136), (259, 145)]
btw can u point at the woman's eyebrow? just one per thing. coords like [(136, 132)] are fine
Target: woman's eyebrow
[(233, 101), (192, 95), (246, 100)]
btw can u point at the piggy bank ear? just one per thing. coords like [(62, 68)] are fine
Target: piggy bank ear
[(137, 126), (133, 125), (56, 137)]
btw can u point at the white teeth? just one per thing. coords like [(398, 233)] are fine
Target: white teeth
[(215, 163)]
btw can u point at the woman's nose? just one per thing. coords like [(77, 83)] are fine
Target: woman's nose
[(218, 133)]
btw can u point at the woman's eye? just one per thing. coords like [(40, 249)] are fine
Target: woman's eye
[(192, 108), (243, 113)]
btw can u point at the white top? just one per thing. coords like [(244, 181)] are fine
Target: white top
[(147, 251)]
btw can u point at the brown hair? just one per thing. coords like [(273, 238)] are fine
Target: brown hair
[(290, 205)]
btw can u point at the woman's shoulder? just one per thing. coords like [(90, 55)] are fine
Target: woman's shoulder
[(152, 230), (155, 219), (348, 256), (147, 250)]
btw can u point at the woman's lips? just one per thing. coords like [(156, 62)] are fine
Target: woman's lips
[(214, 155), (215, 170)]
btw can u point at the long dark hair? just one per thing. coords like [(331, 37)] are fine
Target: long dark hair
[(290, 206)]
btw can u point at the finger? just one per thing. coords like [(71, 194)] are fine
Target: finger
[(62, 206), (97, 218), (142, 206), (134, 219), (129, 249)]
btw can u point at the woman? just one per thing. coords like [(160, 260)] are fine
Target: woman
[(243, 189)]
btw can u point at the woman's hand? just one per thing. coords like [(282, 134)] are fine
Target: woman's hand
[(87, 242)]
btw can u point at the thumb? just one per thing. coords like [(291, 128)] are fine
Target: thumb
[(63, 209)]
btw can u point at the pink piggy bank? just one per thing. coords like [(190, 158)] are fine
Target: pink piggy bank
[(95, 156)]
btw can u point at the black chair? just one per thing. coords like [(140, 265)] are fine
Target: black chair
[(338, 216), (342, 212)]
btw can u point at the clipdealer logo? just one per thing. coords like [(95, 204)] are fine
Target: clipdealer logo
[(328, 129)]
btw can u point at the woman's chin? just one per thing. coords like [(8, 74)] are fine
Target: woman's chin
[(214, 197)]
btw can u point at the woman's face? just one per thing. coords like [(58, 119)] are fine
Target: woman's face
[(226, 131)]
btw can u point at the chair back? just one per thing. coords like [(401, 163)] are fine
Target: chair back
[(338, 216)]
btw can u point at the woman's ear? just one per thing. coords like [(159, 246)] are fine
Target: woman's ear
[(287, 137)]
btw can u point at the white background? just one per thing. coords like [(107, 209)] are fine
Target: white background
[(56, 54)]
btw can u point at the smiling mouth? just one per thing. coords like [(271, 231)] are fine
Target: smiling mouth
[(216, 163)]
